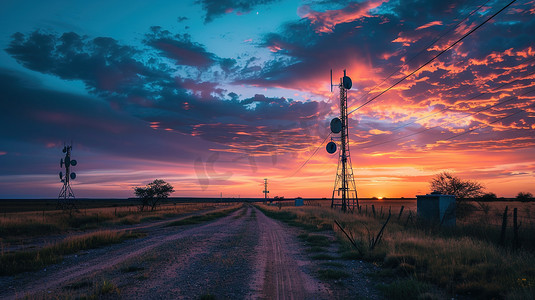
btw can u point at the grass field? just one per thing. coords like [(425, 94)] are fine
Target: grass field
[(104, 222), (21, 224), (465, 260)]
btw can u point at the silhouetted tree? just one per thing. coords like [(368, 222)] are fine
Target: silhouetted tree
[(524, 197), (488, 197), (447, 184), (153, 193)]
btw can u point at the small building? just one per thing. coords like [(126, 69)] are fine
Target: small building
[(298, 201), (436, 208)]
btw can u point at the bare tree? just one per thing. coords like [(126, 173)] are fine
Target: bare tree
[(153, 193), (447, 184)]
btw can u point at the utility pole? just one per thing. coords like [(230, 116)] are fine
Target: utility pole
[(266, 192)]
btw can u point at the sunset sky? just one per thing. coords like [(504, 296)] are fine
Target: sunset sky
[(214, 96)]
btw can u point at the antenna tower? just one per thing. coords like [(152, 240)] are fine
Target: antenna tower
[(266, 192), (344, 183), (66, 195)]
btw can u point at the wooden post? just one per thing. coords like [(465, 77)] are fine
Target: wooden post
[(516, 242), (400, 212), (381, 213), (366, 210), (373, 210), (504, 226)]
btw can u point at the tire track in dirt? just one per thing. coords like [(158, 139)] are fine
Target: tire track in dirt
[(283, 271)]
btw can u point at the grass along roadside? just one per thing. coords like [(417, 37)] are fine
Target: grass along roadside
[(414, 255), (210, 216), (18, 262), (14, 226)]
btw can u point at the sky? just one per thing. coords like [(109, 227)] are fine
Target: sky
[(214, 96)]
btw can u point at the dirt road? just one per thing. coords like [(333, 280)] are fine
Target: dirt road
[(242, 256)]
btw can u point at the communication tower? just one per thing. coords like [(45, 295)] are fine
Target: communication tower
[(344, 183), (266, 192), (66, 195)]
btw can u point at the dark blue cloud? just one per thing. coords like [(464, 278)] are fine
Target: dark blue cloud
[(139, 86), (216, 8)]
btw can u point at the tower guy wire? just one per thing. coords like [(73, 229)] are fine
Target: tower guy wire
[(432, 59)]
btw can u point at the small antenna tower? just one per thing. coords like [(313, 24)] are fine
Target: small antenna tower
[(344, 183), (266, 192), (66, 195)]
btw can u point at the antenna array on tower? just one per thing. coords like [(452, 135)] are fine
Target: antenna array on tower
[(344, 183), (66, 195)]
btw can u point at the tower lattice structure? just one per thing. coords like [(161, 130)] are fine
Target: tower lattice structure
[(345, 190), (66, 195)]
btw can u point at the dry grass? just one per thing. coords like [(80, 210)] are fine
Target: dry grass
[(18, 262), (459, 261), (38, 223)]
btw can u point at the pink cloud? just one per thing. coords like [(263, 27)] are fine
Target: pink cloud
[(326, 21), (434, 23)]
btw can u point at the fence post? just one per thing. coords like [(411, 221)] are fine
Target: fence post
[(516, 242), (504, 226), (400, 212), (373, 210), (409, 218)]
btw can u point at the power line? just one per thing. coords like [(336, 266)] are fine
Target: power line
[(472, 98), (432, 59), (424, 49), (314, 153), (413, 72)]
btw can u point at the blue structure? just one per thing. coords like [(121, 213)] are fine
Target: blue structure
[(436, 208)]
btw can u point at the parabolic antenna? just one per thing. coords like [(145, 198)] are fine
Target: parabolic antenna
[(60, 175), (336, 125), (347, 82), (73, 162), (73, 175), (64, 149), (331, 147)]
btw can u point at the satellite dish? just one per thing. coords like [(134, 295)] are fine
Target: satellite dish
[(64, 149), (331, 147), (73, 175), (61, 163), (73, 162), (346, 81), (336, 125), (60, 175)]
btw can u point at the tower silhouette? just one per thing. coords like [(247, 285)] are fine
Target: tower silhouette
[(344, 183), (66, 195)]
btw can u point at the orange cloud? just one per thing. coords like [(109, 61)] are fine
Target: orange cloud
[(434, 23)]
